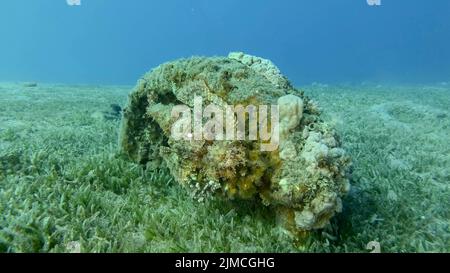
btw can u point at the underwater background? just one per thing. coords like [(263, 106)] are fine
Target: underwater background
[(380, 74), (116, 41)]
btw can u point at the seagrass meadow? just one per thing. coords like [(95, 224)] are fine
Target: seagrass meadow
[(64, 187)]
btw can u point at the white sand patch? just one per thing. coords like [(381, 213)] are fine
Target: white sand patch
[(382, 112), (398, 164), (6, 124)]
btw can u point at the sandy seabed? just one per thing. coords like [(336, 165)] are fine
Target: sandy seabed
[(64, 187)]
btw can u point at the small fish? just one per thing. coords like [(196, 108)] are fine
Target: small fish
[(116, 108)]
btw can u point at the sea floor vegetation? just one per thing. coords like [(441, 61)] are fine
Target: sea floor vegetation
[(65, 188)]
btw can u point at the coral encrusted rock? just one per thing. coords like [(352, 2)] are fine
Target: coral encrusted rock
[(302, 173)]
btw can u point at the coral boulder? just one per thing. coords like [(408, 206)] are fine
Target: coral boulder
[(300, 170)]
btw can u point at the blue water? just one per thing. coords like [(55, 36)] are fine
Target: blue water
[(116, 41)]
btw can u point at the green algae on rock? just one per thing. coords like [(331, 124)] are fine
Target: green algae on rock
[(304, 178)]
